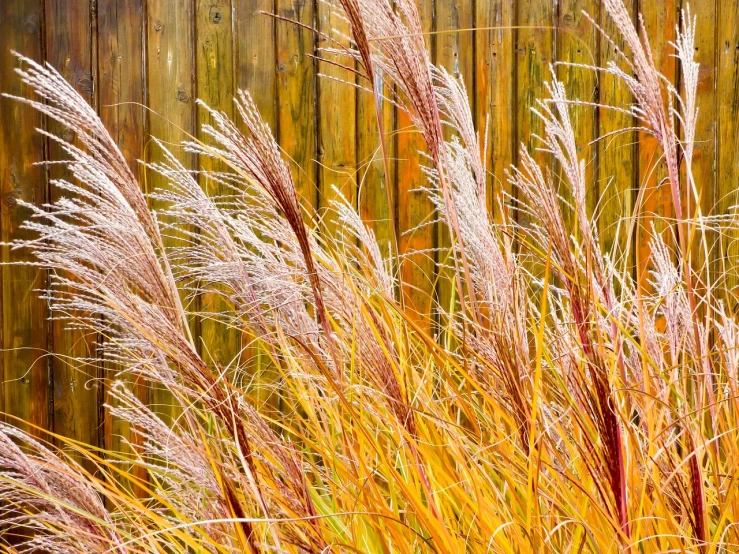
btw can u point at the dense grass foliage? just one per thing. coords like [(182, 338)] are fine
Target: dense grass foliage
[(564, 401)]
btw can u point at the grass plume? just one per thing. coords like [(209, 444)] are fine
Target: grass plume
[(570, 408)]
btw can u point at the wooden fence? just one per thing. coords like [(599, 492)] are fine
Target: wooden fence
[(121, 54)]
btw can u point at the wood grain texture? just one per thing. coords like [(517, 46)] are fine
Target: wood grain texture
[(376, 206), (704, 154), (534, 46), (121, 95), (495, 101), (727, 92), (576, 45), (25, 383), (255, 55), (376, 191), (256, 72), (337, 126), (170, 75), (214, 85), (415, 211), (69, 48), (296, 95), (656, 207), (617, 154), (454, 50)]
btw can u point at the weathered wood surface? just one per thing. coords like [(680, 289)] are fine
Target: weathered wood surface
[(121, 95), (727, 134), (416, 213), (75, 385), (166, 53), (25, 337)]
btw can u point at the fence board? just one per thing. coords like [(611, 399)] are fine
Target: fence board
[(660, 19), (455, 52), (376, 192), (256, 63), (337, 149), (495, 104), (617, 154), (121, 94), (415, 243), (534, 55), (164, 53), (296, 95), (215, 86), (577, 45), (727, 175), (255, 55), (69, 48), (704, 153), (170, 72), (24, 387)]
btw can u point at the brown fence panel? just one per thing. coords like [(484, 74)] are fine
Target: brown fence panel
[(166, 53)]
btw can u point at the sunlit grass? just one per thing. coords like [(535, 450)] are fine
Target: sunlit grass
[(558, 403)]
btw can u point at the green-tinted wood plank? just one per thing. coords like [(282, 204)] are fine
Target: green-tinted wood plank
[(417, 268), (296, 95), (121, 91), (577, 44), (617, 154), (534, 43), (495, 96), (337, 147), (376, 206), (534, 51), (727, 91), (121, 75), (215, 86), (75, 394), (256, 61), (25, 382), (256, 64), (170, 67)]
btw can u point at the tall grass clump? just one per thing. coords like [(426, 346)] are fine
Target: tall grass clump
[(572, 406)]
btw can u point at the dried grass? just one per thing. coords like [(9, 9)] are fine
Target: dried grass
[(576, 410)]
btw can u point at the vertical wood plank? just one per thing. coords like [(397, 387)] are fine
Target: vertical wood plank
[(337, 148), (455, 52), (256, 64), (577, 44), (727, 91), (296, 95), (534, 55), (24, 386), (283, 82), (374, 201), (660, 19), (255, 54), (69, 49), (121, 86), (455, 47), (495, 98), (704, 153), (617, 154), (170, 68), (215, 86), (121, 92), (415, 209)]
